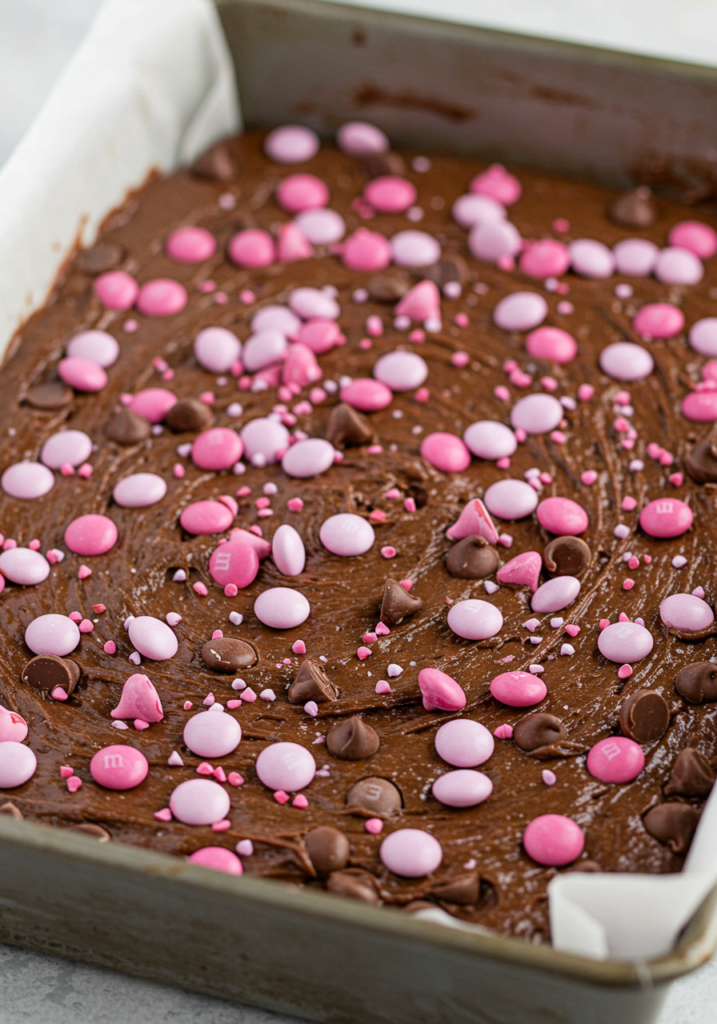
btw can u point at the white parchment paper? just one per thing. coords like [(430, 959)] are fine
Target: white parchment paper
[(151, 87)]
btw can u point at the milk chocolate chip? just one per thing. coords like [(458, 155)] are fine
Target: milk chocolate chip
[(356, 884), (51, 396), (312, 683), (228, 655), (672, 824), (634, 209), (465, 889), (691, 775), (644, 716), (448, 270), (698, 682), (46, 672), (566, 556), (347, 427), (538, 730), (126, 427), (352, 740), (472, 558), (100, 258), (189, 414), (328, 849), (376, 165), (701, 463), (588, 866), (389, 286), (217, 164), (374, 796), (397, 604)]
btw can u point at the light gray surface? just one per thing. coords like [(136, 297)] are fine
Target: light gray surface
[(36, 39)]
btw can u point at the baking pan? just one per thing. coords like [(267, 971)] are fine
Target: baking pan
[(434, 85)]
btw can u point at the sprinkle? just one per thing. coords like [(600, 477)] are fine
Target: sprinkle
[(531, 624), (549, 778), (59, 694), (187, 705), (633, 562), (311, 708), (604, 623), (238, 684), (622, 617), (388, 551), (567, 650), (200, 588), (135, 658), (394, 671), (556, 622), (233, 704), (585, 391), (66, 772), (647, 559), (698, 592), (677, 562), (120, 725), (381, 627), (589, 477), (621, 531), (536, 639), (628, 584), (363, 652), (407, 584), (110, 647), (219, 774), (373, 825), (236, 618), (221, 826), (235, 779), (490, 586), (377, 516), (140, 724), (164, 815), (382, 686), (248, 695), (217, 634), (505, 540), (73, 783), (572, 630), (267, 695), (503, 732), (636, 466), (536, 669), (460, 359), (625, 671), (281, 796), (245, 848), (209, 699), (175, 760), (204, 768), (300, 801)]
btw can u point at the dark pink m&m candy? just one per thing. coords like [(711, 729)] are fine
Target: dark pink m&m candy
[(553, 840), (161, 297), (518, 689), (552, 343), (82, 374), (206, 517), (91, 535), (191, 245), (217, 448), (218, 858), (445, 452), (234, 563), (119, 767), (615, 759), (116, 290), (666, 517)]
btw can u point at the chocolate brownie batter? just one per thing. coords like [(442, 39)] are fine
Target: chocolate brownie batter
[(377, 759)]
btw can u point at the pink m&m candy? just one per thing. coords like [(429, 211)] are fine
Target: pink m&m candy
[(235, 562), (510, 499), (307, 458), (562, 516), (321, 227), (206, 517), (626, 361), (313, 302), (288, 551), (71, 447), (52, 634), (347, 534), (390, 194), (82, 374), (551, 343), (440, 691), (518, 689), (17, 764), (546, 258), (415, 249), (445, 452), (366, 250), (140, 490), (116, 290), (217, 349), (211, 734), (301, 192), (700, 406), (488, 439), (286, 766), (152, 638), (291, 144), (153, 404), (91, 535), (678, 266), (680, 611), (411, 853), (366, 395), (320, 335), (666, 517), (464, 743), (263, 349), (218, 858), (24, 566), (161, 297), (252, 248), (199, 802), (401, 371), (498, 183), (625, 642), (494, 240), (462, 788), (264, 438), (119, 766), (217, 448), (536, 414), (699, 238), (471, 209), (521, 311), (27, 480), (555, 595), (191, 245), (282, 608), (635, 257), (360, 138), (703, 336), (276, 318), (590, 258), (553, 840), (12, 726), (475, 620), (659, 320), (615, 759), (96, 346)]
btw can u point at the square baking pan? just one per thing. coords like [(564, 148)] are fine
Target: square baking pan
[(431, 85)]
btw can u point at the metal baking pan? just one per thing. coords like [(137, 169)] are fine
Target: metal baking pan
[(432, 85)]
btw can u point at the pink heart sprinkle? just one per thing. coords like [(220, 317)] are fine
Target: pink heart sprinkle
[(604, 623), (381, 628), (311, 708), (235, 779), (503, 732), (572, 630), (66, 772), (219, 774), (84, 572), (204, 768), (625, 671), (676, 479), (232, 704), (363, 653), (73, 783), (382, 686), (221, 826), (59, 694), (549, 778), (281, 796), (373, 825), (300, 801), (164, 815), (209, 699), (140, 724), (187, 705)]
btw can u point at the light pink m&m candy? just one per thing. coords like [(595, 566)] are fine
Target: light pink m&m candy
[(302, 192), (555, 595), (536, 414), (287, 766), (218, 858), (366, 395), (313, 302), (659, 320), (206, 517), (494, 240), (626, 361), (217, 349), (475, 620), (140, 490), (520, 311), (498, 183), (471, 209), (97, 346), (553, 840), (235, 562), (291, 144), (91, 535), (510, 499), (161, 297), (24, 566), (82, 374), (307, 458), (562, 516), (700, 406), (52, 634), (415, 249), (518, 689), (635, 257), (263, 349), (464, 743), (321, 227), (615, 759), (119, 766), (366, 250), (153, 404), (625, 642), (71, 447), (191, 245), (489, 439), (591, 258), (390, 194), (552, 343), (462, 788), (264, 438), (199, 802), (152, 638), (440, 691), (445, 452), (401, 371), (27, 480), (360, 138), (212, 735), (282, 608), (116, 290), (680, 611), (347, 534), (666, 517), (546, 258), (276, 318), (411, 853), (12, 726), (678, 266), (696, 236), (17, 764), (217, 448), (288, 551), (252, 248)]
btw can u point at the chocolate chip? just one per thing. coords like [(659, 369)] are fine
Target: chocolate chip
[(347, 427), (538, 730), (465, 889), (587, 866), (472, 558), (397, 604), (95, 831), (701, 463), (55, 395), (312, 683), (447, 270), (228, 655), (356, 884), (12, 810), (698, 682), (46, 672), (672, 824), (217, 164), (189, 414), (374, 796), (328, 849), (352, 740), (644, 716), (389, 286), (376, 165), (691, 775), (100, 258), (566, 556), (634, 209), (126, 427)]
